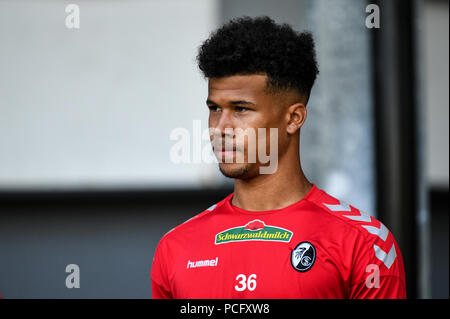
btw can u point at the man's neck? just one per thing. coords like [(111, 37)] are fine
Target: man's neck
[(272, 191)]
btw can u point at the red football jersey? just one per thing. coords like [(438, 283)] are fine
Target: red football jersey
[(318, 247)]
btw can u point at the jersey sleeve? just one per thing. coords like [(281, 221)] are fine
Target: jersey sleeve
[(378, 271), (159, 278)]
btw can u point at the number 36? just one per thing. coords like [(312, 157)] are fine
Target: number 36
[(244, 283)]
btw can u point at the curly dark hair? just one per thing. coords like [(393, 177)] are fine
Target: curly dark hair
[(258, 45)]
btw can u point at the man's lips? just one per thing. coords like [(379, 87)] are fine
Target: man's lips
[(226, 153), (224, 149)]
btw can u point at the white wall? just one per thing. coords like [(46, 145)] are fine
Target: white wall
[(94, 107), (436, 83)]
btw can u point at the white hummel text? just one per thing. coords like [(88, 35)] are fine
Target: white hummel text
[(202, 263)]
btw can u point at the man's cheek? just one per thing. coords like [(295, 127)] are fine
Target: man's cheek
[(247, 145)]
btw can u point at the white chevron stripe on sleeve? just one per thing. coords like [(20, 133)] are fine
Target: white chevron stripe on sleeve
[(341, 207), (387, 259), (362, 217), (381, 232)]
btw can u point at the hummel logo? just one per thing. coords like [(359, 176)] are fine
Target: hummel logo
[(202, 263)]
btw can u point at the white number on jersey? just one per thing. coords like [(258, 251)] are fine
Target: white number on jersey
[(244, 283)]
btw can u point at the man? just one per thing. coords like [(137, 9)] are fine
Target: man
[(277, 235)]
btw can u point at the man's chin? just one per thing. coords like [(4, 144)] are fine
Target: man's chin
[(234, 170)]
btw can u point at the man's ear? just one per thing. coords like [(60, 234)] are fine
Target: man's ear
[(296, 116)]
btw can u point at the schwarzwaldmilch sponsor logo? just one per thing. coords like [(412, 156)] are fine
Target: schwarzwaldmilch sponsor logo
[(254, 230)]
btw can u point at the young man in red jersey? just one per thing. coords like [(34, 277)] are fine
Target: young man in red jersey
[(277, 235)]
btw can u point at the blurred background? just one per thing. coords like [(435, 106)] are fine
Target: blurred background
[(86, 117)]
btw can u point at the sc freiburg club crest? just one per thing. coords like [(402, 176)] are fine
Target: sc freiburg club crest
[(303, 256)]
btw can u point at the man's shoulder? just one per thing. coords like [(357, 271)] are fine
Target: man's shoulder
[(348, 216), (193, 223), (373, 242)]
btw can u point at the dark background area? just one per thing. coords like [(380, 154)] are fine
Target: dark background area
[(111, 236)]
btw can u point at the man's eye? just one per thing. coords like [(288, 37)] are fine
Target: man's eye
[(241, 109), (214, 108)]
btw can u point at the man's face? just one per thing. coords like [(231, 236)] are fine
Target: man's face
[(242, 102)]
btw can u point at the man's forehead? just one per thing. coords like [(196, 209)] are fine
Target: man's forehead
[(237, 84)]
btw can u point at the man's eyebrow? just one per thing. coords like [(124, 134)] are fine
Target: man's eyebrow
[(237, 102), (242, 102)]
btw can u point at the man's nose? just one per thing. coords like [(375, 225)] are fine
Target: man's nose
[(224, 125)]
